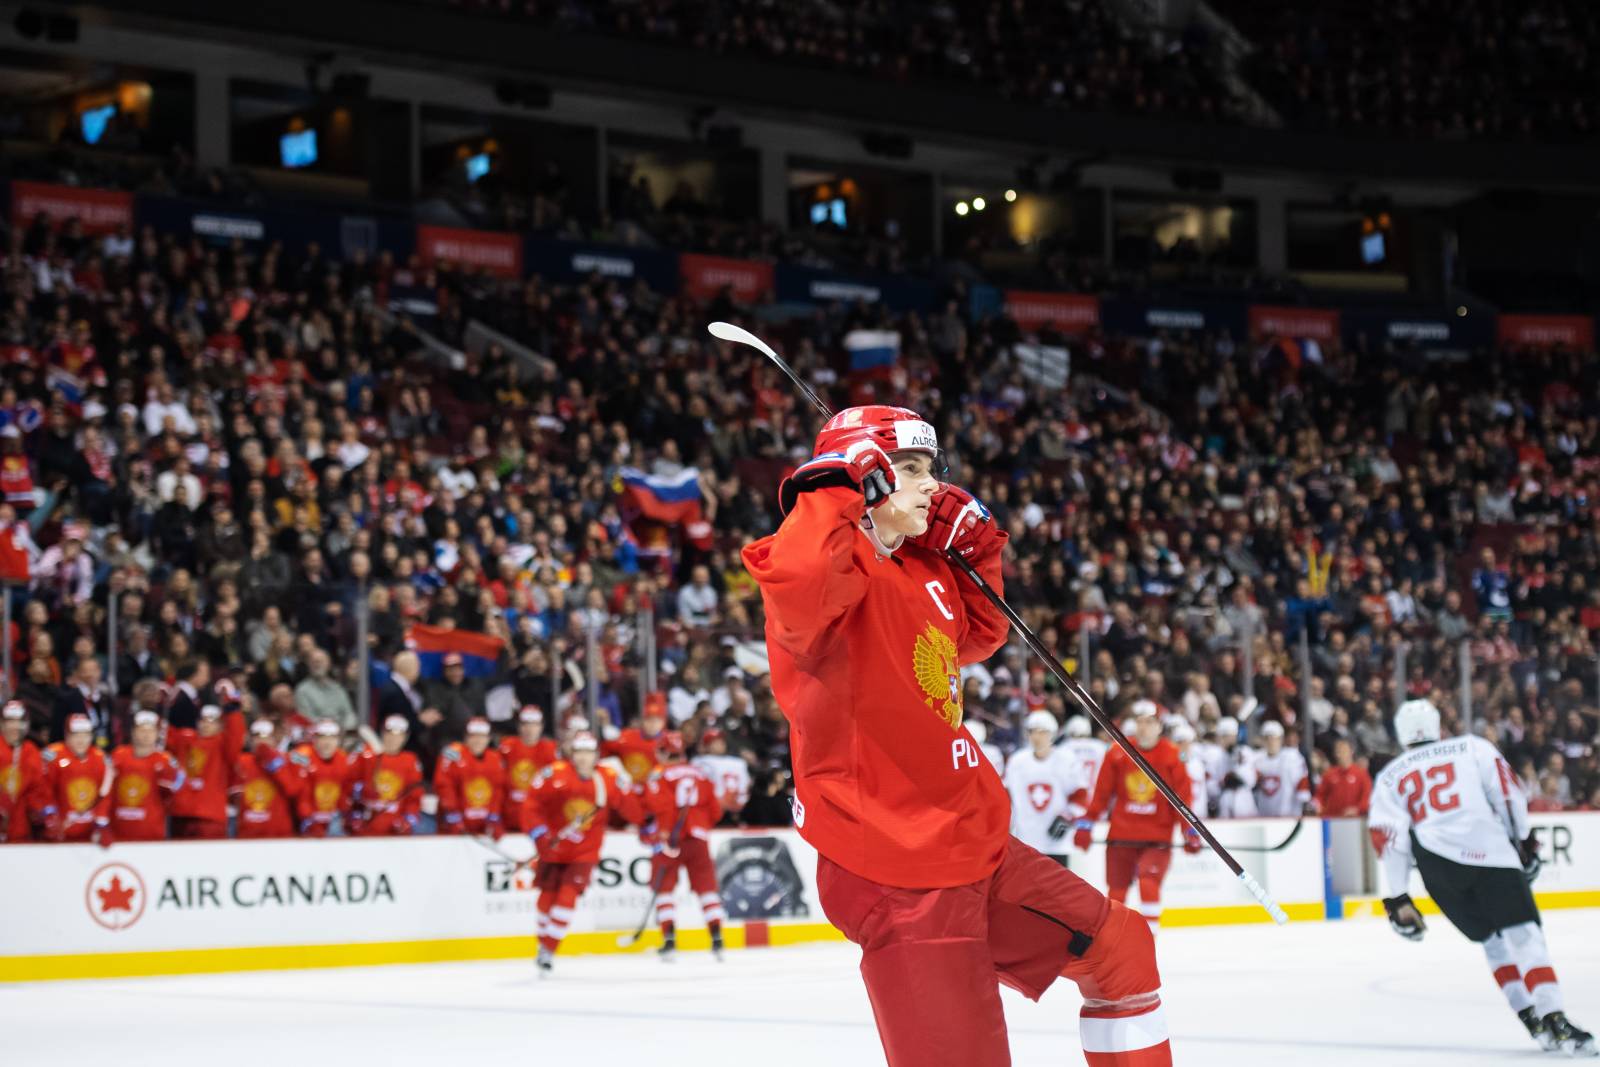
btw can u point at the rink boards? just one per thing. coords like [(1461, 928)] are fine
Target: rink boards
[(79, 911)]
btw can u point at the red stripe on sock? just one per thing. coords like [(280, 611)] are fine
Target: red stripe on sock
[(1539, 976), (1507, 974), (1154, 1056)]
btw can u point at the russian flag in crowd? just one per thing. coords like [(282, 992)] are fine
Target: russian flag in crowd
[(673, 499), (871, 349), (479, 652)]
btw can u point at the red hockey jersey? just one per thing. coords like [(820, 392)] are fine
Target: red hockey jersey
[(267, 785), (636, 751), (471, 789), (866, 655), (568, 813), (385, 793), (682, 791), (141, 789), (326, 792), (206, 772), (522, 762), (74, 792), (21, 770), (1138, 810)]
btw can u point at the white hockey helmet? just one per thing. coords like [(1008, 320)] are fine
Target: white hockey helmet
[(1040, 720), (1416, 723), (1181, 733), (1227, 726), (979, 732), (1078, 726), (1272, 729)]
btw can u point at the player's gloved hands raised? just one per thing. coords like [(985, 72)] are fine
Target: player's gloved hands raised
[(1082, 835), (958, 520), (1528, 853), (1058, 828), (862, 465), (1404, 917)]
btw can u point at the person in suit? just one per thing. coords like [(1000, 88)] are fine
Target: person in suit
[(401, 695)]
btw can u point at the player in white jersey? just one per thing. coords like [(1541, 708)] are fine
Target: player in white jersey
[(1230, 772), (730, 775), (1193, 762), (1456, 808), (1283, 785), (1047, 789), (1088, 752), (980, 734)]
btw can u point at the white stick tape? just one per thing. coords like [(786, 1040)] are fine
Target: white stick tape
[(1279, 916)]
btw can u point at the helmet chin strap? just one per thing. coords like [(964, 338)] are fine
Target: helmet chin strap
[(871, 530)]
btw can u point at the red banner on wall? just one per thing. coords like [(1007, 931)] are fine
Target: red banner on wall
[(1067, 312), (497, 253), (706, 276), (99, 210), (1317, 324), (1545, 331)]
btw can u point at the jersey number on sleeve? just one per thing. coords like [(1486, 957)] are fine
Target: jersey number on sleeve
[(1443, 776)]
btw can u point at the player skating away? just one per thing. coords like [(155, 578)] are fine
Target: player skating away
[(566, 815), (324, 802), (471, 783), (21, 772), (1183, 737), (1230, 771), (681, 807), (730, 775), (1455, 808), (1283, 784), (75, 792), (1087, 750), (266, 784), (1048, 789), (144, 780), (386, 786), (524, 756), (206, 754), (867, 628), (1139, 843)]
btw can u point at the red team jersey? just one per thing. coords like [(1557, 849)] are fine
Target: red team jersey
[(141, 789), (472, 787), (388, 791), (267, 785), (326, 791), (866, 655), (636, 751), (1344, 791), (522, 762), (206, 769), (681, 790), (75, 791), (573, 811), (21, 769), (1138, 810)]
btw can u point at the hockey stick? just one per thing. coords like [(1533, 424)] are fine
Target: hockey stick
[(1294, 832), (629, 940), (726, 331), (516, 864)]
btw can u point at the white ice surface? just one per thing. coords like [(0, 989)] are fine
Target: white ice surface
[(1307, 994)]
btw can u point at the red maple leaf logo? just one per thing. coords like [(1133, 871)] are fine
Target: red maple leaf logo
[(116, 896)]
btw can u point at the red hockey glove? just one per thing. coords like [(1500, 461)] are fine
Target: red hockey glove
[(959, 520), (496, 830), (1083, 835), (863, 465), (103, 835), (1192, 842)]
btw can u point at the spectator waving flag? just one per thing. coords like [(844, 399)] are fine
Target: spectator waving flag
[(673, 499), (479, 652), (872, 350)]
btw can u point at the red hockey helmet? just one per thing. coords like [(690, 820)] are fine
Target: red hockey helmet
[(670, 743), (890, 428)]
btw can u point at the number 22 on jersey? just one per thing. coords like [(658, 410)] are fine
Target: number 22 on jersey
[(1420, 798)]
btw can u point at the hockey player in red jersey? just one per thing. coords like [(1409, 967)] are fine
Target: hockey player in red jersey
[(1140, 839), (324, 801), (266, 785), (524, 756), (144, 780), (206, 754), (386, 786), (566, 817), (21, 771), (75, 792), (636, 746), (470, 780), (1454, 807), (682, 806), (868, 625)]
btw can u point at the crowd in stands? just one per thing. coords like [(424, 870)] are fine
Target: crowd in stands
[(238, 443)]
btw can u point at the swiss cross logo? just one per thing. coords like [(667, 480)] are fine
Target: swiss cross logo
[(1039, 795), (115, 896), (1269, 784)]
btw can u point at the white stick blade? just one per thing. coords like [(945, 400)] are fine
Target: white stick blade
[(727, 331)]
